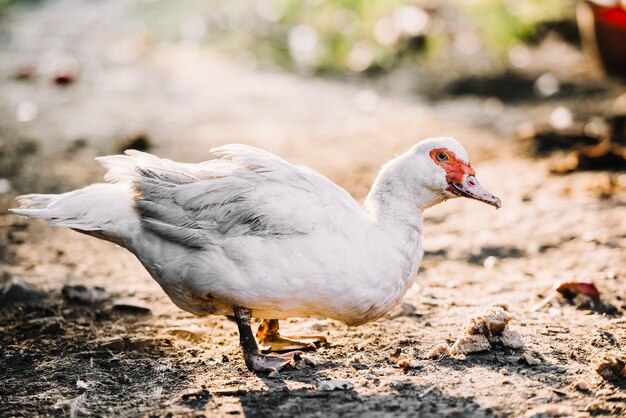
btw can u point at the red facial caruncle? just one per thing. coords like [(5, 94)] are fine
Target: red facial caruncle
[(456, 169), (460, 177)]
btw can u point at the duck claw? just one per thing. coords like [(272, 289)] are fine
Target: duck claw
[(270, 339), (267, 363), (285, 344)]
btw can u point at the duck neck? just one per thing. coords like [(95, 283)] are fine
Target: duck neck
[(398, 197)]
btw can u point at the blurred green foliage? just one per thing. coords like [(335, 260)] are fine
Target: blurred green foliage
[(345, 36), (318, 35), (502, 23), (5, 5), (350, 36)]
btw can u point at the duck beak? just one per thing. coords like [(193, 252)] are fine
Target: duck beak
[(469, 187)]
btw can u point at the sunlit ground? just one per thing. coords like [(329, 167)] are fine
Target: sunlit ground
[(340, 87)]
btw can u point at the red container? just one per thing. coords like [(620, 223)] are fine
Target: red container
[(603, 29)]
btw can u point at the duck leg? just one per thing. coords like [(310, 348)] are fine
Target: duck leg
[(255, 360), (270, 339)]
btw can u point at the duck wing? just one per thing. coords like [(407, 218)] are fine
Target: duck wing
[(247, 192)]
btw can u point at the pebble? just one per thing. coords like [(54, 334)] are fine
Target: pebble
[(612, 368), (5, 186), (15, 290), (408, 363), (330, 385), (529, 360), (84, 294), (196, 395), (438, 352), (470, 344), (582, 386)]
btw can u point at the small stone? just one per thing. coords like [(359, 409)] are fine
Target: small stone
[(81, 384), (15, 290), (470, 344), (511, 338), (503, 371), (529, 360), (196, 395), (408, 363), (330, 385), (490, 262), (356, 362), (274, 375), (582, 386), (85, 295), (302, 363), (491, 322), (612, 368), (439, 352)]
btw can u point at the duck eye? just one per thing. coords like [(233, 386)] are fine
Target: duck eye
[(442, 156)]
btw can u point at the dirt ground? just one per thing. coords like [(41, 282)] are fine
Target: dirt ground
[(61, 358)]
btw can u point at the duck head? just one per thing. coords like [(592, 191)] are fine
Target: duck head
[(447, 172)]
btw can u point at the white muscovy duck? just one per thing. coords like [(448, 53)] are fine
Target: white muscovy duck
[(252, 235)]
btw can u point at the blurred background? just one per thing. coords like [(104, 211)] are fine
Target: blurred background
[(105, 75), (534, 90)]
